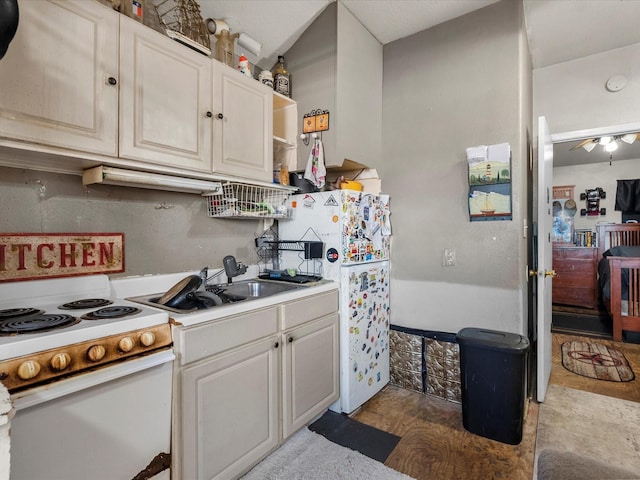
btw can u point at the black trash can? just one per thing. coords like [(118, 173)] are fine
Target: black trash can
[(493, 377)]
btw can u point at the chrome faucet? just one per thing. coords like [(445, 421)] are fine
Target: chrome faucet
[(204, 276), (233, 268)]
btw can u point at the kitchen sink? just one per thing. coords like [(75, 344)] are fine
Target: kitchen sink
[(255, 288), (219, 295)]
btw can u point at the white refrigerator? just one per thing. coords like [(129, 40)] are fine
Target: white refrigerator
[(356, 232)]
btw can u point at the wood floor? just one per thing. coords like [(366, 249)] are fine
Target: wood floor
[(435, 445)]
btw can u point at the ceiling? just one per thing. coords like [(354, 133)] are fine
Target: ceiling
[(558, 30), (564, 157)]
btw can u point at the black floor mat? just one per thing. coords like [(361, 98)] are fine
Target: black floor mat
[(369, 441)]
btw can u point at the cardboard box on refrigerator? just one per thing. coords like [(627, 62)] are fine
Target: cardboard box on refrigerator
[(350, 170)]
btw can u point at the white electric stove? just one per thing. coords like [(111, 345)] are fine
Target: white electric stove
[(90, 378)]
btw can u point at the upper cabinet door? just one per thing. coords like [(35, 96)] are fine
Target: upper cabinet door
[(243, 125), (165, 100), (59, 77)]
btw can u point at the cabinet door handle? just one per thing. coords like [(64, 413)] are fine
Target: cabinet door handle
[(220, 116), (209, 114), (112, 81), (290, 339), (276, 345)]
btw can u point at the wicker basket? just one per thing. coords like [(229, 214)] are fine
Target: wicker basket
[(240, 200)]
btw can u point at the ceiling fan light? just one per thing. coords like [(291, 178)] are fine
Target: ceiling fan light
[(605, 140), (611, 147), (629, 138), (589, 146)]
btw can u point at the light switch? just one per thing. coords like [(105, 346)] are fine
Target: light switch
[(449, 259)]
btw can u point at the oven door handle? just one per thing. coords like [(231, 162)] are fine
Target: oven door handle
[(38, 395)]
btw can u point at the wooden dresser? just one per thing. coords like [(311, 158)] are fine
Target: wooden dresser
[(576, 269)]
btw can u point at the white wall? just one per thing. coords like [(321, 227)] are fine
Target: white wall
[(597, 175), (453, 86), (572, 95)]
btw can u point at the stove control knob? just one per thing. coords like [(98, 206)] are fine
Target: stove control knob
[(126, 344), (28, 370), (147, 339), (96, 353), (60, 361)]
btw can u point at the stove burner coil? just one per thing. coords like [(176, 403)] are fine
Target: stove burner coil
[(19, 312), (114, 311), (36, 323), (85, 303)]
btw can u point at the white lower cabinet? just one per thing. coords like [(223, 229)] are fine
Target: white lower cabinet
[(246, 382), (230, 411), (310, 380)]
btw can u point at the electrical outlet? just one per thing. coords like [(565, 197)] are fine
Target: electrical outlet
[(449, 258)]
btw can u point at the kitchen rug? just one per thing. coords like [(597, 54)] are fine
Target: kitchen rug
[(597, 361), (309, 456), (588, 425), (369, 441)]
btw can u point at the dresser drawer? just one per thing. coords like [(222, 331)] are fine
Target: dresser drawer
[(575, 282), (574, 253), (574, 267), (581, 297), (571, 279)]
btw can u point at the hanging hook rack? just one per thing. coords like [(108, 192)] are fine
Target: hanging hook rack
[(315, 121), (305, 137)]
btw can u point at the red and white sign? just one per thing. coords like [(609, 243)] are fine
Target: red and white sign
[(31, 256)]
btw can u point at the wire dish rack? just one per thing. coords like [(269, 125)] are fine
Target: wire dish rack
[(239, 200)]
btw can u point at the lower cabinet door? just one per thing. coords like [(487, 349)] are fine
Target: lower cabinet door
[(311, 372), (229, 411)]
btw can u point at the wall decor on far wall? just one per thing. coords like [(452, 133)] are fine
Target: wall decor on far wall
[(564, 211), (489, 182)]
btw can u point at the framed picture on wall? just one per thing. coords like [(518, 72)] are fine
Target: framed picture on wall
[(564, 209), (562, 230), (489, 182)]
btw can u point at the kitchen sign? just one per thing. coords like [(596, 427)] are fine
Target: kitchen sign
[(33, 256)]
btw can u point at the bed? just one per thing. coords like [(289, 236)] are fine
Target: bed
[(619, 274)]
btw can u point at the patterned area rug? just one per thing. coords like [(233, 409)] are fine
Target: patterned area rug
[(596, 361)]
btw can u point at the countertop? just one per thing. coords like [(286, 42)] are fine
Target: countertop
[(148, 284)]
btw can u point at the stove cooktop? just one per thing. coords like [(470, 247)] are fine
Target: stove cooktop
[(83, 306)]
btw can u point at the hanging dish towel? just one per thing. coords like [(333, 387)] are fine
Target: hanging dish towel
[(316, 171)]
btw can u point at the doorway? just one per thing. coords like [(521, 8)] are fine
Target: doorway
[(586, 170)]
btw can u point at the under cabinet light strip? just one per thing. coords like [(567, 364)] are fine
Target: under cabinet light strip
[(157, 181)]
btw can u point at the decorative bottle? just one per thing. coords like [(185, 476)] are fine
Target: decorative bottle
[(281, 78)]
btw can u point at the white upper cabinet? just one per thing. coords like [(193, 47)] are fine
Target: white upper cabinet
[(91, 86), (165, 100), (243, 125), (59, 77)]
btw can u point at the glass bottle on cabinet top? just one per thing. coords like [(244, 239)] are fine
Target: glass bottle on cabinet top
[(281, 78)]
